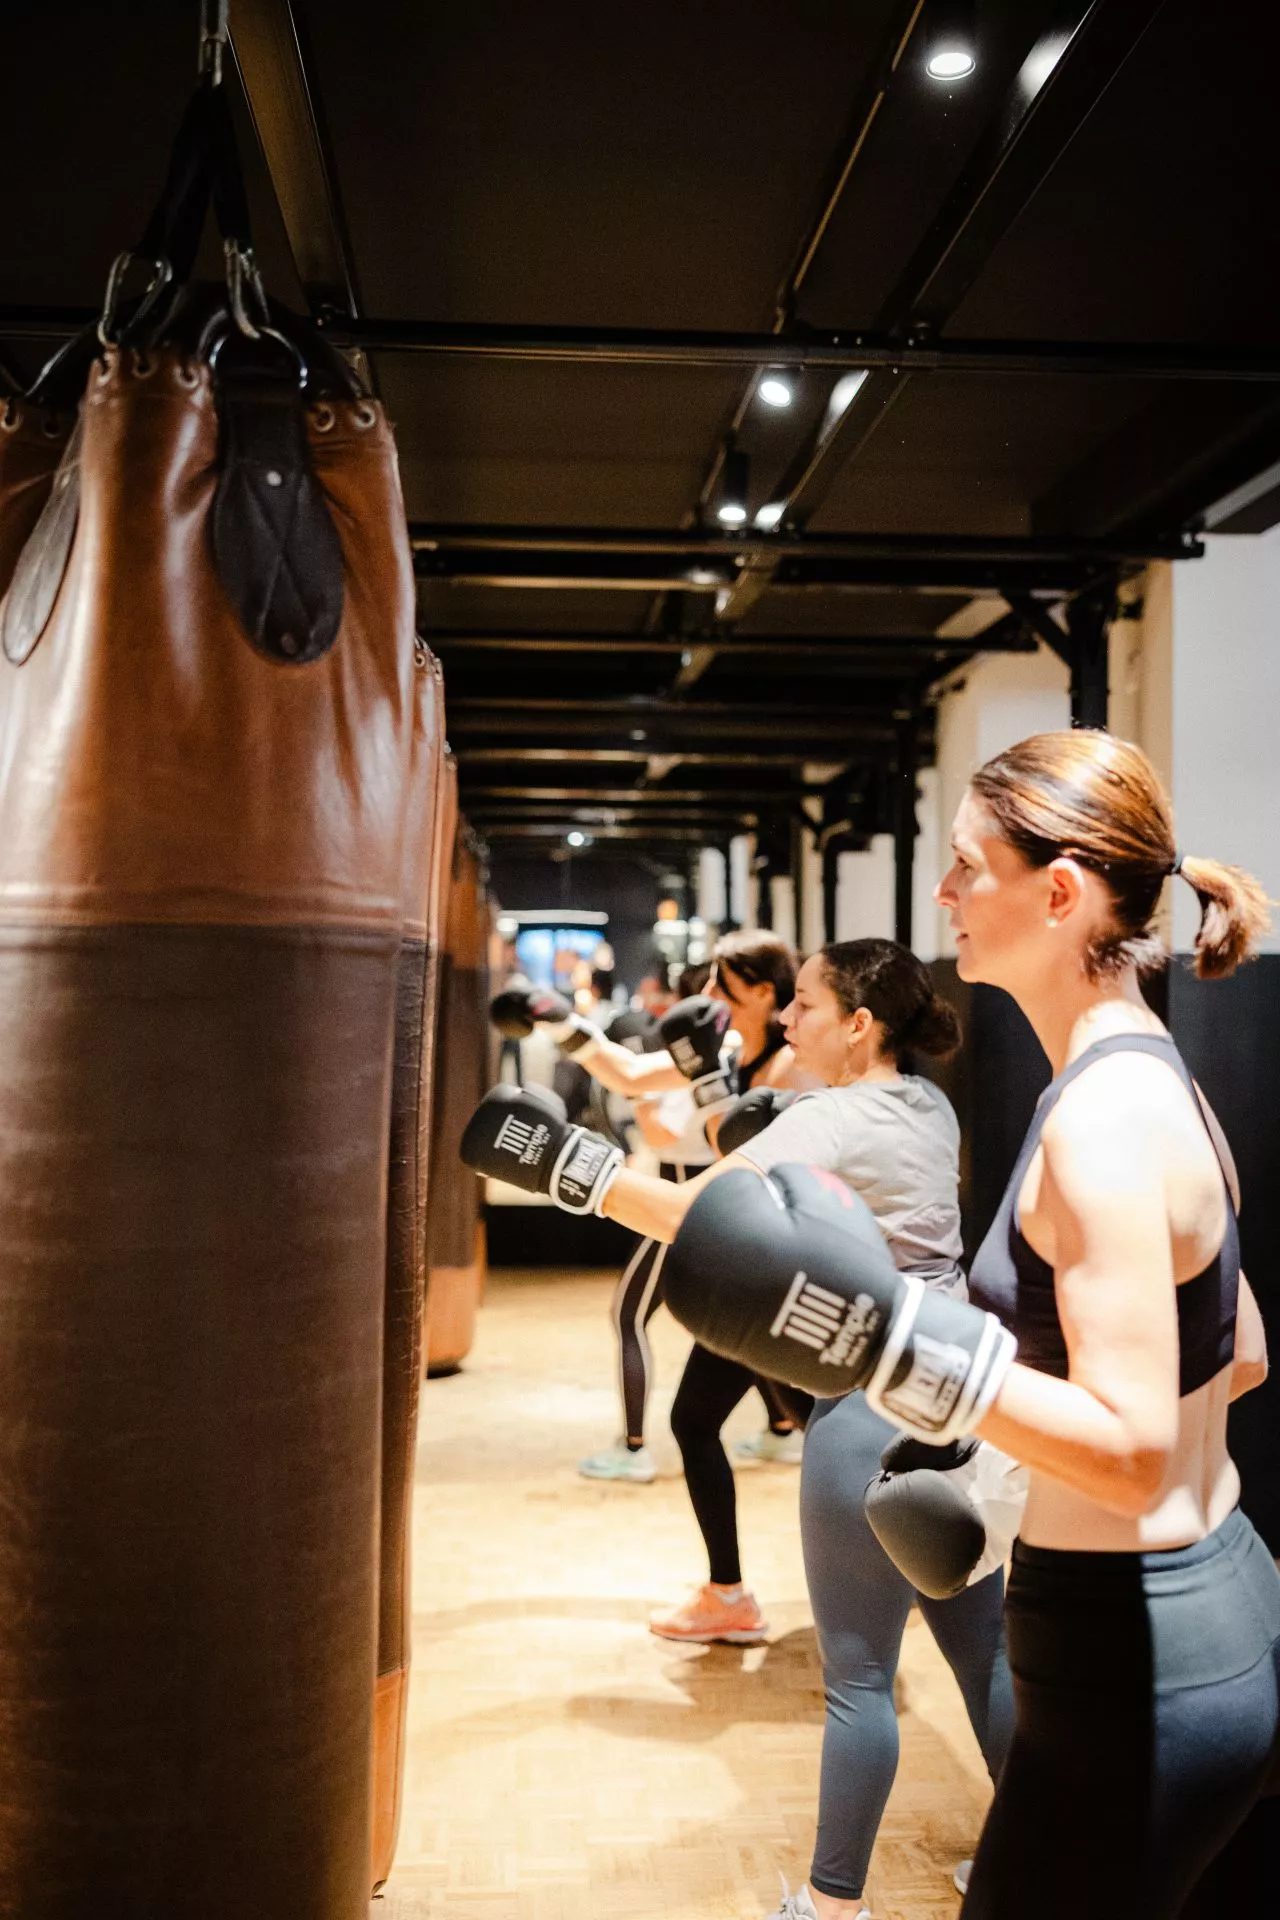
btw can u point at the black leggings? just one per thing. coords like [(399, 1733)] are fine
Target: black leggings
[(710, 1388), (636, 1299), (1146, 1725)]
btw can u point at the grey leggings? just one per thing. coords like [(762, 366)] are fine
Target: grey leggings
[(860, 1606)]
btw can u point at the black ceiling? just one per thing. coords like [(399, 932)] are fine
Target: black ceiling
[(783, 179)]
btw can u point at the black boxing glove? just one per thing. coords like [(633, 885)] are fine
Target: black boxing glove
[(635, 1030), (520, 1007), (692, 1033), (946, 1516), (790, 1275), (519, 1134), (750, 1114)]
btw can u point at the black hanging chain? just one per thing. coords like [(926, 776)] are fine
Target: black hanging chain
[(213, 40)]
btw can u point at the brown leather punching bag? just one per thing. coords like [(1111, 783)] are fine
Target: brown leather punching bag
[(464, 1069), (428, 850), (205, 767)]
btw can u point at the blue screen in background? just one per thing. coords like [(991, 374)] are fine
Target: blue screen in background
[(538, 947)]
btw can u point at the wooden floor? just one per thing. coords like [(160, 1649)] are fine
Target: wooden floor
[(563, 1763)]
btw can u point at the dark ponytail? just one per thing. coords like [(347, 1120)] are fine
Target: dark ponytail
[(895, 988)]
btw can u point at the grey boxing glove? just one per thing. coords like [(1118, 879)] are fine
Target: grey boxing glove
[(946, 1516), (790, 1275)]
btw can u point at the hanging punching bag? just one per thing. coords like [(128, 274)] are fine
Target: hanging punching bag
[(455, 1234), (428, 838), (205, 766)]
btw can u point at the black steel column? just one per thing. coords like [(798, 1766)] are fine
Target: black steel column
[(905, 826), (830, 884), (1089, 618)]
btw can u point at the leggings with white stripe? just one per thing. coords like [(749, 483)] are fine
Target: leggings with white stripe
[(636, 1299)]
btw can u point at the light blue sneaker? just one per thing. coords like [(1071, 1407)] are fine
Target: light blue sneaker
[(618, 1462), (771, 1449)]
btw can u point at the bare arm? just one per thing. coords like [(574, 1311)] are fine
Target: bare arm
[(1109, 1429), (656, 1208), (652, 1131), (622, 1071), (1249, 1368)]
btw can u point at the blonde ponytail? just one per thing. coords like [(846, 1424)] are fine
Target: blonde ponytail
[(1234, 914)]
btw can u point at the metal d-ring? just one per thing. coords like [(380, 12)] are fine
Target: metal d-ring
[(162, 274), (265, 333)]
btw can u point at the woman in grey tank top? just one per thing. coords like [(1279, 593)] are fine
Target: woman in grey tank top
[(860, 1006)]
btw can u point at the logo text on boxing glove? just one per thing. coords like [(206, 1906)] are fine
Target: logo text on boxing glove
[(837, 1329), (931, 1386), (523, 1139)]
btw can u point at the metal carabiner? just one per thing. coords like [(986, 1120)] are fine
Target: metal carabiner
[(162, 274), (242, 272)]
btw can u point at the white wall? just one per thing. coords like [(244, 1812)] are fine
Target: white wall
[(1000, 698), (740, 887), (864, 892), (712, 888), (1225, 632)]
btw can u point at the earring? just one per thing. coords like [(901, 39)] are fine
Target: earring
[(1052, 921)]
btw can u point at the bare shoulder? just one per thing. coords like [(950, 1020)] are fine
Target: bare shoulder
[(1122, 1113)]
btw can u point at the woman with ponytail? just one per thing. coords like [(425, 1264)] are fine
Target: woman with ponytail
[(1143, 1612)]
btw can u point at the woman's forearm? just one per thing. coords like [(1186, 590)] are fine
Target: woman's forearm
[(622, 1071), (656, 1208), (1064, 1431)]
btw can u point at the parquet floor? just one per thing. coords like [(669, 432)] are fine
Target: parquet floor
[(563, 1763)]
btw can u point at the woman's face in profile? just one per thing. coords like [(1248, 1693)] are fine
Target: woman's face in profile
[(815, 1026), (996, 901)]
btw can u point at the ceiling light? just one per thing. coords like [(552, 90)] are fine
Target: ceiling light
[(735, 480), (770, 514), (704, 577), (951, 39), (576, 839), (776, 390)]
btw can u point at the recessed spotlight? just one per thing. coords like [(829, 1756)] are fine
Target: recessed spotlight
[(776, 390), (951, 63), (576, 839), (731, 513), (951, 39), (770, 514)]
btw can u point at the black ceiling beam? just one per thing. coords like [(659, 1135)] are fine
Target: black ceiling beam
[(275, 71), (534, 789), (812, 646), (432, 539), (829, 351), (1048, 101), (562, 754)]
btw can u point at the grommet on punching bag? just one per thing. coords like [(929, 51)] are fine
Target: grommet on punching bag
[(201, 914)]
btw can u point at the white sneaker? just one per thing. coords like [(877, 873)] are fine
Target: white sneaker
[(619, 1462), (770, 1448), (960, 1878), (795, 1906)]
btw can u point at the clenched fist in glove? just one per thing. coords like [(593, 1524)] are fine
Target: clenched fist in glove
[(518, 1009), (749, 1115), (692, 1033), (520, 1134), (946, 1516), (790, 1275)]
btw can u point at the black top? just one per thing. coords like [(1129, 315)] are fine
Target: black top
[(1011, 1280), (746, 1070)]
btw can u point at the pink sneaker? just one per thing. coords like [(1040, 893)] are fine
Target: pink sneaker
[(712, 1615)]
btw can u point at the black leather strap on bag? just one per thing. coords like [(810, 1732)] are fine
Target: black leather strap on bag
[(275, 546)]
